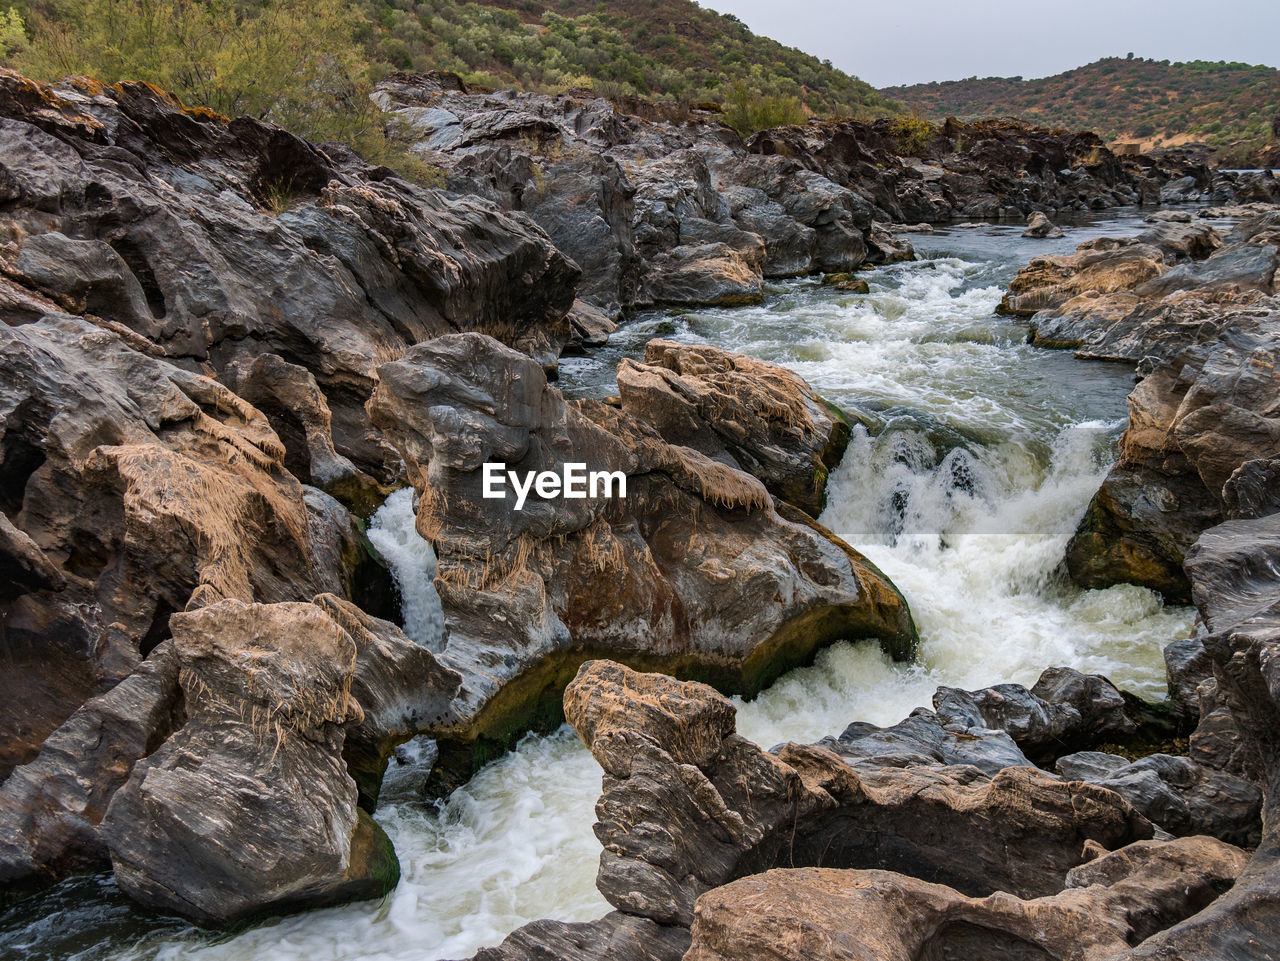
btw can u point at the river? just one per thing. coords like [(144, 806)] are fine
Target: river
[(982, 455)]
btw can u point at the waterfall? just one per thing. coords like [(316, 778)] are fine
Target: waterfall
[(413, 566)]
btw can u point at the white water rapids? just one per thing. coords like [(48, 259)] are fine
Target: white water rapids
[(986, 456)]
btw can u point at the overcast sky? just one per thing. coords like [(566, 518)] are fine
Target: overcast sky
[(887, 42)]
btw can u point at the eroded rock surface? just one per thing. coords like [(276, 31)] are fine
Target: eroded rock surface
[(231, 242), (817, 914), (248, 808), (695, 571), (751, 414), (681, 815)]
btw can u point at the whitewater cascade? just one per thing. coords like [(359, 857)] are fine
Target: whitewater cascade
[(413, 566)]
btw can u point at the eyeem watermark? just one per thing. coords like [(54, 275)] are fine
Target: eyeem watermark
[(573, 483)]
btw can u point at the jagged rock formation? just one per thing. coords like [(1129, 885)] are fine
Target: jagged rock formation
[(754, 415), (694, 571), (133, 488), (248, 809), (232, 244), (1194, 423), (661, 211), (819, 914), (688, 806)]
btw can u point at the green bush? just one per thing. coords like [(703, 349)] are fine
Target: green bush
[(911, 134)]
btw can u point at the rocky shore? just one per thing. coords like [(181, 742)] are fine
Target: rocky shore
[(224, 347)]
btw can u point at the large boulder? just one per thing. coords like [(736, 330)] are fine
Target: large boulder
[(248, 808), (750, 413), (1193, 423), (695, 571), (820, 914)]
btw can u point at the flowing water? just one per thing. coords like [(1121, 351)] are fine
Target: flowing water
[(979, 456)]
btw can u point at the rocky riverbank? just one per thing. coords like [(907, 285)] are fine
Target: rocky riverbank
[(225, 347)]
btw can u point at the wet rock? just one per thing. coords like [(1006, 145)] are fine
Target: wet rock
[(1187, 666), (819, 914), (885, 247), (754, 415), (403, 690), (1245, 921), (529, 594), (1040, 227), (924, 739), (849, 282), (680, 816), (133, 489), (248, 809), (1176, 793), (1063, 708), (1192, 424), (1169, 217), (591, 327), (223, 242)]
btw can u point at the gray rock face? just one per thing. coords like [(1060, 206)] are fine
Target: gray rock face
[(227, 242), (248, 809), (672, 575), (1176, 793), (1241, 598), (754, 415), (616, 937), (1062, 709), (655, 208)]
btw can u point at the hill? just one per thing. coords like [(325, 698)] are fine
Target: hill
[(1231, 106), (309, 65)]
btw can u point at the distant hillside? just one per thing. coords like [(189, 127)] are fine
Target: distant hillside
[(307, 64), (1228, 105), (660, 49)]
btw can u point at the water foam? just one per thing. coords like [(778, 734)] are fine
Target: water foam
[(413, 566)]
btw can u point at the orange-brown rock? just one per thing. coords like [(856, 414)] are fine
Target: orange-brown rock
[(821, 914), (757, 415)]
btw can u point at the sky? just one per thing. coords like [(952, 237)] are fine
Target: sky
[(889, 42)]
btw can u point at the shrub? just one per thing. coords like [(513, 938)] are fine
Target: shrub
[(911, 134)]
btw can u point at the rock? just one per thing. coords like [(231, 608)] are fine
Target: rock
[(615, 937), (713, 275), (886, 248), (925, 739), (820, 914), (849, 282), (1040, 227), (403, 689), (1229, 580), (1187, 666), (50, 807), (248, 809), (1192, 425), (1169, 217), (226, 242), (133, 489), (1176, 793), (1063, 711), (754, 415), (680, 816), (629, 577), (591, 327)]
